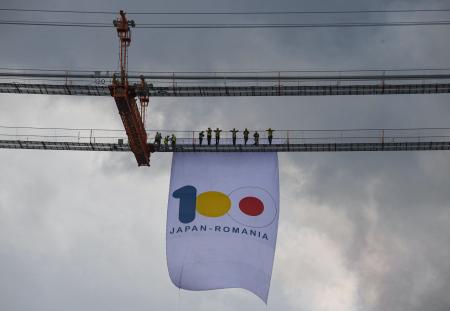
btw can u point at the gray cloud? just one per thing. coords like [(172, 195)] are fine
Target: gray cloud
[(365, 231)]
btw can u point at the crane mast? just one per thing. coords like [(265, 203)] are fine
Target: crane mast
[(124, 96)]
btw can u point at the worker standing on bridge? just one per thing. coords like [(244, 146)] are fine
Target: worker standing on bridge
[(270, 135), (246, 132), (217, 131), (200, 137), (209, 135), (158, 140), (256, 137), (173, 141), (234, 131), (166, 142)]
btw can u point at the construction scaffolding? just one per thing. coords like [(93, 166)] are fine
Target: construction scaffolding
[(233, 91), (188, 141), (127, 86), (336, 147)]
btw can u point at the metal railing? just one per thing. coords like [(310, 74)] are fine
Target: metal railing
[(287, 137), (213, 84)]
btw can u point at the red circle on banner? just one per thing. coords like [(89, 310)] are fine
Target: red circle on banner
[(251, 206)]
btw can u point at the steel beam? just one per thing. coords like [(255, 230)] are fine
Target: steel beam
[(215, 91), (53, 145), (323, 147)]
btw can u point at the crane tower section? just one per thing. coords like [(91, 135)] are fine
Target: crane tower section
[(124, 96)]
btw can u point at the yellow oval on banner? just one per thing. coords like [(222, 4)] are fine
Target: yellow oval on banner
[(213, 204)]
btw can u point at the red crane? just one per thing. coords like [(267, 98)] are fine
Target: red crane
[(124, 95)]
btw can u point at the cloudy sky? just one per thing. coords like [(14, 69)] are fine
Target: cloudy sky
[(358, 231)]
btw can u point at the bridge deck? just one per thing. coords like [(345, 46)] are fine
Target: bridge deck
[(306, 147), (330, 89)]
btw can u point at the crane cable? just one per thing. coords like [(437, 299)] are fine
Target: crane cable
[(228, 12)]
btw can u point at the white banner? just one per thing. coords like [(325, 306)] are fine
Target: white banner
[(222, 220)]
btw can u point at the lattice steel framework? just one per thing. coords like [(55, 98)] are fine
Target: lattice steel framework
[(214, 91), (124, 96), (331, 147)]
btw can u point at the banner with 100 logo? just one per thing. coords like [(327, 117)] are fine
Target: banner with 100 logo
[(222, 220)]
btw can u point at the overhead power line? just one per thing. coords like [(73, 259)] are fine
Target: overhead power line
[(56, 24), (230, 25), (284, 12), (306, 25)]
